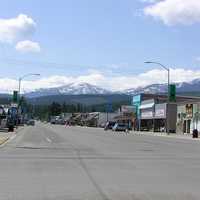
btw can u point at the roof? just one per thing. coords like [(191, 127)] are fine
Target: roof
[(161, 98)]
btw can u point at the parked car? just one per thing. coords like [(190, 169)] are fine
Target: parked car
[(109, 125), (102, 125), (31, 122), (53, 120), (120, 127)]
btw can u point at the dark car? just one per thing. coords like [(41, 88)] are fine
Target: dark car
[(109, 125), (31, 122)]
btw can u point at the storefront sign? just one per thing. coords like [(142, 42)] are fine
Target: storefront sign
[(136, 103), (160, 111), (129, 109), (147, 114), (136, 99), (189, 110)]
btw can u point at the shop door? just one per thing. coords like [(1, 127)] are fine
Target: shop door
[(184, 127), (188, 126)]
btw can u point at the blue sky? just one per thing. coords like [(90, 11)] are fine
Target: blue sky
[(76, 39)]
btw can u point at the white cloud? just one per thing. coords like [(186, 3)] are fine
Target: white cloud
[(97, 78), (149, 1), (173, 12), (16, 28), (28, 46)]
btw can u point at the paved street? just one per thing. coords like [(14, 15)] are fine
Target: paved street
[(49, 162)]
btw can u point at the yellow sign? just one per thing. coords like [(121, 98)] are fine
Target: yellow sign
[(189, 110)]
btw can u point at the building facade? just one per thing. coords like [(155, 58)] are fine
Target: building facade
[(155, 113)]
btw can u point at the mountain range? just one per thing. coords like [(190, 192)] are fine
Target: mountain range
[(89, 89), (87, 94), (69, 89)]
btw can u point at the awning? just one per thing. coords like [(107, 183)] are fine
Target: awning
[(120, 117), (148, 105)]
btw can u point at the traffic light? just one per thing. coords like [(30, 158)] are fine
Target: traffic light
[(172, 93), (15, 96)]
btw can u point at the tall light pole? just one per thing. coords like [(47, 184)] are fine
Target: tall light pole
[(168, 75), (19, 90), (21, 78), (168, 82)]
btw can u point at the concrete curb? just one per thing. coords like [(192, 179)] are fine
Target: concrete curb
[(184, 137)]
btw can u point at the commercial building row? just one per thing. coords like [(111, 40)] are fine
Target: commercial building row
[(154, 113)]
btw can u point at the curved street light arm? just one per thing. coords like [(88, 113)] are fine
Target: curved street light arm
[(151, 62)]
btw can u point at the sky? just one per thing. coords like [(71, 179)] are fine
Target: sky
[(101, 42)]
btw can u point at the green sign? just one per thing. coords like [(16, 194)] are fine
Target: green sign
[(172, 93), (15, 96)]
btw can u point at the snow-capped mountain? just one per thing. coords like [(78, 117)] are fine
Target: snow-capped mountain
[(154, 88), (85, 88), (192, 86), (70, 89)]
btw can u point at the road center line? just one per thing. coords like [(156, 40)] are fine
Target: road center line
[(49, 140)]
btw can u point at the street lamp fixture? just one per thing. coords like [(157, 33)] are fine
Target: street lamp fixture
[(24, 76), (168, 74), (20, 80)]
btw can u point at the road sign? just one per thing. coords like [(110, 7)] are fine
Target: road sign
[(15, 96), (172, 93)]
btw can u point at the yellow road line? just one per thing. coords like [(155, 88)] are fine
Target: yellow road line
[(3, 140)]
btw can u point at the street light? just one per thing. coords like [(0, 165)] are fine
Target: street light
[(21, 78), (168, 74), (168, 81)]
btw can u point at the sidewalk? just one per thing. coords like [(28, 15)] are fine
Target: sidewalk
[(6, 136), (163, 134)]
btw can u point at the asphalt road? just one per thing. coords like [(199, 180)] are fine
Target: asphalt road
[(52, 162)]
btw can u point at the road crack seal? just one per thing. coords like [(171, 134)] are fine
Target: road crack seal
[(84, 166)]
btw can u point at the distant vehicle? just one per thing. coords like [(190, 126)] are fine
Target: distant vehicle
[(31, 122), (53, 120), (120, 127), (57, 120), (60, 121), (102, 125), (109, 125)]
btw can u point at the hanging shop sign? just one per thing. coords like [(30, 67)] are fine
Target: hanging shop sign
[(189, 110)]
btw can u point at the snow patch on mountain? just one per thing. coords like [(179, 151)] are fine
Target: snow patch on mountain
[(70, 89), (86, 88)]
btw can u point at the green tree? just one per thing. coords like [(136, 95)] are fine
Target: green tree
[(55, 109)]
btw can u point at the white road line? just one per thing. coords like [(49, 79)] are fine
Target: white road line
[(49, 140)]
